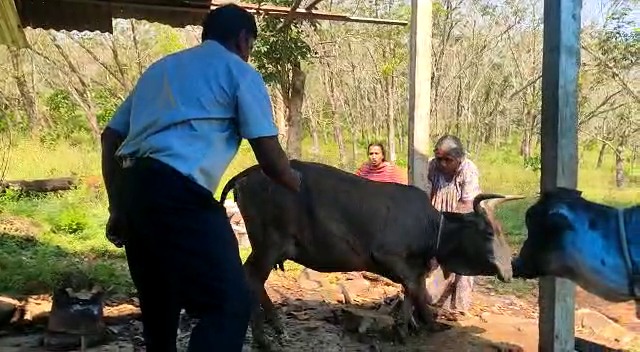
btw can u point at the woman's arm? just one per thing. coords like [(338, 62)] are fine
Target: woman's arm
[(470, 188)]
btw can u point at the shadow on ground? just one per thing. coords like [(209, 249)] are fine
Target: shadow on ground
[(313, 325)]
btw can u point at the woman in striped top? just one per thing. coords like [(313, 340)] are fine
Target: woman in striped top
[(378, 168), (454, 181)]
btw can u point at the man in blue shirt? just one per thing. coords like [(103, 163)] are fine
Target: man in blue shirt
[(163, 154)]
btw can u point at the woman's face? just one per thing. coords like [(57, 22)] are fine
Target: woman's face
[(446, 163), (375, 155)]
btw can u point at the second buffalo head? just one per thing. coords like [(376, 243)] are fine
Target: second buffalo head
[(473, 244)]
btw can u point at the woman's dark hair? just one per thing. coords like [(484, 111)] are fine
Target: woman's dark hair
[(381, 146), (227, 22), (451, 145)]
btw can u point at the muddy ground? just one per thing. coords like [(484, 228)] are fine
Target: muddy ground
[(321, 310), (318, 319)]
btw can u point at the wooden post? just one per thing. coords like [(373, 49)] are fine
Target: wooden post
[(419, 92), (560, 66)]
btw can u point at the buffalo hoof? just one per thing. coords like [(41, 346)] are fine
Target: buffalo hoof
[(262, 343), (281, 338), (401, 333), (276, 324), (437, 327)]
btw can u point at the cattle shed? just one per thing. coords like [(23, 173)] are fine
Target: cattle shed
[(561, 63)]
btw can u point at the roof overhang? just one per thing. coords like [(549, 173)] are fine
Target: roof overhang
[(97, 15)]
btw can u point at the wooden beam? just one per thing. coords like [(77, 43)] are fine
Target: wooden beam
[(199, 7), (560, 66), (279, 11), (11, 32), (419, 92)]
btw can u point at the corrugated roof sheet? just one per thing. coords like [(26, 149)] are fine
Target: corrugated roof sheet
[(97, 15), (59, 15), (11, 32), (91, 15)]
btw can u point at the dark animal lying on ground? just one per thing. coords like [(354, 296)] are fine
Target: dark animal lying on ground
[(594, 245), (340, 222)]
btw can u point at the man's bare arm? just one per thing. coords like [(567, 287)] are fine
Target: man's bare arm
[(111, 141), (274, 161)]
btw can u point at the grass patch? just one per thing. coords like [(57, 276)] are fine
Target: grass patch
[(62, 236)]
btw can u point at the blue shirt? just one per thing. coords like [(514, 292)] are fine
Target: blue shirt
[(191, 109)]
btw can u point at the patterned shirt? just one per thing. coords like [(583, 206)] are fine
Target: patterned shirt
[(385, 172), (463, 187)]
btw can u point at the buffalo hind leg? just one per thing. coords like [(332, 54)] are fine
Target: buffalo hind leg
[(271, 314), (258, 268)]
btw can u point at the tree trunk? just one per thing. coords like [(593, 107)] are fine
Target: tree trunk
[(27, 97), (525, 145), (337, 133), (313, 127), (280, 114), (603, 148), (391, 133), (354, 145), (634, 158), (337, 128), (620, 164), (294, 113), (325, 136), (82, 93)]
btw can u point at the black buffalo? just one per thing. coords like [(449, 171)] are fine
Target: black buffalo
[(340, 222)]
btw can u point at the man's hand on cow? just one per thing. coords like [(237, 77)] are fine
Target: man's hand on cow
[(115, 230)]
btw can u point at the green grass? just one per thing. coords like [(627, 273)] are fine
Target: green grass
[(45, 240)]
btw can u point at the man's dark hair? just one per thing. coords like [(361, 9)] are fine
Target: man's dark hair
[(226, 22)]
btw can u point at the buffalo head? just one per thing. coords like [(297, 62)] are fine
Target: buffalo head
[(572, 238), (473, 244)]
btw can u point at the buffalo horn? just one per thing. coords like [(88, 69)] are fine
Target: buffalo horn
[(490, 201)]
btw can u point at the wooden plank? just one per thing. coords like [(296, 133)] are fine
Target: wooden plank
[(560, 66), (11, 31), (173, 15), (419, 92)]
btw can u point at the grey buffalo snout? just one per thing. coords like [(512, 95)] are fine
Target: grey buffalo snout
[(505, 272)]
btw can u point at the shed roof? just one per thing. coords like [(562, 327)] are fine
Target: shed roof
[(97, 15)]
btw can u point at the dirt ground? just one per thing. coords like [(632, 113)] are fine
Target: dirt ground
[(318, 319)]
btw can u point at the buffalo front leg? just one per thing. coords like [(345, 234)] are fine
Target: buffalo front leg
[(418, 294), (415, 304), (404, 318)]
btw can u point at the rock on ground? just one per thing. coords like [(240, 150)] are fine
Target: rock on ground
[(237, 224)]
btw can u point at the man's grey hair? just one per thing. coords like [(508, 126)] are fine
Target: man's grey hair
[(451, 145)]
